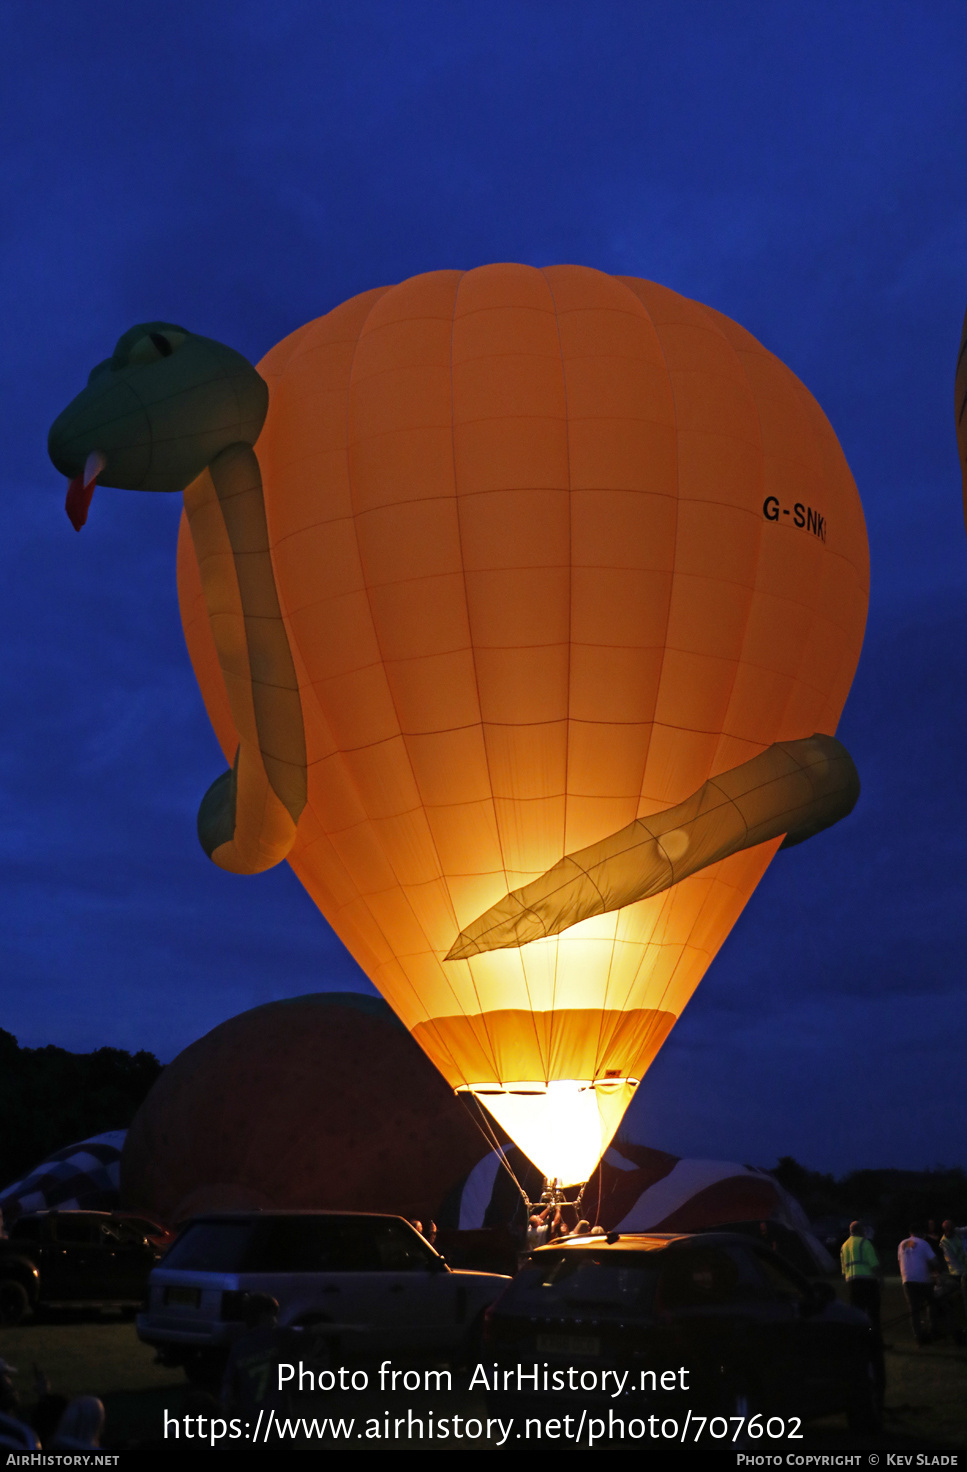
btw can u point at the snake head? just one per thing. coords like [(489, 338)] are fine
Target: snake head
[(156, 413)]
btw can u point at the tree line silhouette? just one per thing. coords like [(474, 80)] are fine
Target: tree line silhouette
[(50, 1098)]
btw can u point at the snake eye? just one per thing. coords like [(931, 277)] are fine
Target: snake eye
[(155, 345)]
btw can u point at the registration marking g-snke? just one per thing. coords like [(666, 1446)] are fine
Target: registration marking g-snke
[(806, 518)]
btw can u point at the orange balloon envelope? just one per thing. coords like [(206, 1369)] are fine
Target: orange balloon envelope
[(552, 549)]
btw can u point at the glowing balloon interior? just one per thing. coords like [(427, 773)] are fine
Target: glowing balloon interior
[(542, 552)]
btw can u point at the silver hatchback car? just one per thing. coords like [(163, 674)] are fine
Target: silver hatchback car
[(372, 1282)]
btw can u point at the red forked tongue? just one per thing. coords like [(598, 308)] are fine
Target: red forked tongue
[(81, 490)]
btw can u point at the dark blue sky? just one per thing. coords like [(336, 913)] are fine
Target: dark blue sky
[(243, 167)]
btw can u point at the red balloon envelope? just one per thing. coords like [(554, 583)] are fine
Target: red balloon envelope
[(320, 1102)]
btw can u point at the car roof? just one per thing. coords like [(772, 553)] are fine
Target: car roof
[(64, 1211), (271, 1215), (645, 1241)]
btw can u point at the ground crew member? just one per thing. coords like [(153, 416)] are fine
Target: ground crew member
[(918, 1268), (955, 1256), (861, 1269)]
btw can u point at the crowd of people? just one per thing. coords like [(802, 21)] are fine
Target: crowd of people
[(549, 1225), (933, 1270), (542, 1227)]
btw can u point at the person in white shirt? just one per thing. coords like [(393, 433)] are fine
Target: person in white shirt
[(918, 1267)]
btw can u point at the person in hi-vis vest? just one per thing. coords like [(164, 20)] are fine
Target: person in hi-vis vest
[(861, 1269)]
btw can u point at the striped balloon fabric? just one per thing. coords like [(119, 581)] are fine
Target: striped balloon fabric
[(637, 1189), (83, 1176)]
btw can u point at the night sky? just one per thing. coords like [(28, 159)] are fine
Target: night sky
[(244, 167)]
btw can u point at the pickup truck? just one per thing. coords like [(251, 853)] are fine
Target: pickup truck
[(73, 1259)]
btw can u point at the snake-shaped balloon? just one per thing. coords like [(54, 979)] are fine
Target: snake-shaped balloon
[(172, 411)]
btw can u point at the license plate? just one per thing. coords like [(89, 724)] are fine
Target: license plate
[(585, 1344), (183, 1297)]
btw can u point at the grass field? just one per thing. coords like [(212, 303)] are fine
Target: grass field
[(926, 1389), (926, 1398)]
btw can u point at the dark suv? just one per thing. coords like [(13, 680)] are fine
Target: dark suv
[(750, 1333), (73, 1259), (380, 1286)]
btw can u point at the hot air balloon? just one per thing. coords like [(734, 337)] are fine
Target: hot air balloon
[(526, 568), (272, 1109)]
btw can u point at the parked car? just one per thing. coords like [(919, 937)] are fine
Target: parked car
[(374, 1279), (73, 1259), (752, 1334)]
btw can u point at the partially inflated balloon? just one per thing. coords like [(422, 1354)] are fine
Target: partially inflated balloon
[(540, 554), (271, 1109)]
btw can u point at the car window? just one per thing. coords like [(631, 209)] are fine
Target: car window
[(28, 1229), (211, 1247), (70, 1228), (131, 1232), (698, 1278), (609, 1279), (782, 1283), (337, 1245), (312, 1245), (750, 1284), (401, 1250), (301, 1244)]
